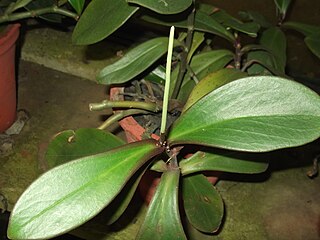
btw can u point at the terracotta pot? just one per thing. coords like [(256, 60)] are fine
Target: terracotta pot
[(134, 132), (7, 76)]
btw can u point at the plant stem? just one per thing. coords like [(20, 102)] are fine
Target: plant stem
[(119, 115), (184, 54), (37, 13), (167, 83), (105, 104)]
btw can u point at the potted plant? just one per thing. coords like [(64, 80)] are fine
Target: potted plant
[(228, 119), (11, 11)]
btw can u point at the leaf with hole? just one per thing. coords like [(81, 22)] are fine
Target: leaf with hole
[(71, 194), (255, 114)]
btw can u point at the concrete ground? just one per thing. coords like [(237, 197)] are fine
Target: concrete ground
[(282, 203)]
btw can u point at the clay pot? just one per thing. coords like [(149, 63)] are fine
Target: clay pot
[(134, 132), (7, 76)]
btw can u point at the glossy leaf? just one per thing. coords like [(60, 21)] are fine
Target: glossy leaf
[(282, 5), (313, 43), (134, 62), (197, 40), (203, 23), (71, 194), (212, 82), (263, 61), (202, 203), (78, 5), (218, 160), (164, 6), (305, 29), (253, 114), (250, 28), (100, 19), (163, 220), (69, 145)]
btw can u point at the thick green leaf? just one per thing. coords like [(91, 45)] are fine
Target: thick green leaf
[(163, 220), (203, 23), (164, 6), (250, 28), (212, 82), (313, 43), (78, 5), (197, 40), (202, 65), (253, 114), (71, 194), (100, 19), (264, 60), (134, 62), (202, 203), (219, 160), (282, 5), (305, 29), (69, 145)]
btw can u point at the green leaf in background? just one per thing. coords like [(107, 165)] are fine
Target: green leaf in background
[(275, 58), (163, 219), (158, 75), (202, 203), (282, 5), (100, 19), (134, 62), (255, 17), (203, 23), (164, 6), (71, 194), (69, 145), (313, 43), (226, 161), (305, 29), (78, 5), (203, 64), (197, 40), (212, 82), (255, 114), (250, 28)]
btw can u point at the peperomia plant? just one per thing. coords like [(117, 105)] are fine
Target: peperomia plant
[(226, 118)]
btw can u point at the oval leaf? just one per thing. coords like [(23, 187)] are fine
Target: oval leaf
[(69, 145), (100, 19), (254, 114), (134, 62), (202, 203), (212, 82), (71, 194), (305, 29), (235, 162), (163, 220), (164, 6), (77, 5)]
